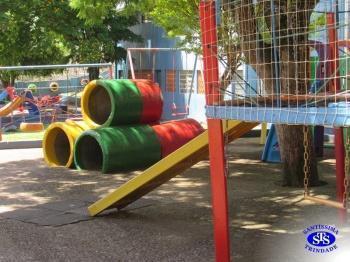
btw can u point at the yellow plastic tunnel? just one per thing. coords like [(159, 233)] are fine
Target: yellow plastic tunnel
[(58, 142)]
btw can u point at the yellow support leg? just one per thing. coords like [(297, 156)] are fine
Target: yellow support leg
[(263, 133)]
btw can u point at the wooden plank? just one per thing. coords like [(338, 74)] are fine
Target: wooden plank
[(325, 202)]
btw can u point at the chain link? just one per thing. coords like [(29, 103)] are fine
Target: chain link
[(347, 167), (306, 131), (307, 169)]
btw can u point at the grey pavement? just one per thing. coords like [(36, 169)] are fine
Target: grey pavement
[(43, 213)]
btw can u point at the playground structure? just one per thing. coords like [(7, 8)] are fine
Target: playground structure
[(124, 102), (54, 95), (121, 129), (25, 100), (172, 165), (279, 53), (121, 132), (278, 98), (283, 93)]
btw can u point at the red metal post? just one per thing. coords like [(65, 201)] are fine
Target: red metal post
[(216, 139), (335, 87)]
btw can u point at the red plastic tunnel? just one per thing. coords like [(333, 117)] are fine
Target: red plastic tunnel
[(152, 100), (174, 134)]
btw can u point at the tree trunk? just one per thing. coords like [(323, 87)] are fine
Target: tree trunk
[(292, 20), (94, 73), (292, 154)]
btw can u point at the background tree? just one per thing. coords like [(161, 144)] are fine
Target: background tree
[(179, 18), (50, 32), (95, 41), (26, 39), (292, 30), (241, 19)]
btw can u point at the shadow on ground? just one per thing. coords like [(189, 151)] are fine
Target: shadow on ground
[(173, 223)]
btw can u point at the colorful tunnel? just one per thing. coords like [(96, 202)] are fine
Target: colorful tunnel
[(58, 142), (117, 148), (127, 134), (174, 134), (119, 102), (129, 148)]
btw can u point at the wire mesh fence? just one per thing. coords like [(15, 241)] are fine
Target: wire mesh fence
[(49, 92), (282, 61)]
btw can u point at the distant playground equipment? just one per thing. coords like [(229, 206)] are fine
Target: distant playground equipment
[(31, 127), (34, 123), (33, 88), (54, 87), (7, 93), (3, 95), (56, 92), (84, 82), (24, 100)]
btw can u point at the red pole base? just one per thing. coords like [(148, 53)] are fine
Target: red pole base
[(219, 190)]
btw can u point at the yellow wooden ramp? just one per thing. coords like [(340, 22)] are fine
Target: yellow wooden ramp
[(167, 168)]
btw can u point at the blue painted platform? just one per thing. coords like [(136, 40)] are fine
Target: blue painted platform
[(333, 116)]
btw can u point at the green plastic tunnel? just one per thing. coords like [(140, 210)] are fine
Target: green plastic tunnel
[(117, 149), (132, 147)]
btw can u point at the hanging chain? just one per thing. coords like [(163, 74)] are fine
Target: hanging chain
[(347, 167), (307, 169), (306, 131)]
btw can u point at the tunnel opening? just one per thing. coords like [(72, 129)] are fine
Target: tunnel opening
[(99, 105), (89, 155), (61, 151)]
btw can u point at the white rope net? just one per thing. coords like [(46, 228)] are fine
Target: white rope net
[(283, 61)]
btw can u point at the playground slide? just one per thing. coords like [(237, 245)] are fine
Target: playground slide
[(31, 106), (10, 107), (167, 168)]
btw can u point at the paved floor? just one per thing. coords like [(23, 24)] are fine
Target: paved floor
[(43, 214)]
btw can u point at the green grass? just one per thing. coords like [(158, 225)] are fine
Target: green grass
[(22, 136)]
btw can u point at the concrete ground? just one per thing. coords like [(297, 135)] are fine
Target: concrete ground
[(43, 213)]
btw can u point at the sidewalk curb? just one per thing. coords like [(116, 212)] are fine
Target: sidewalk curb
[(20, 144)]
